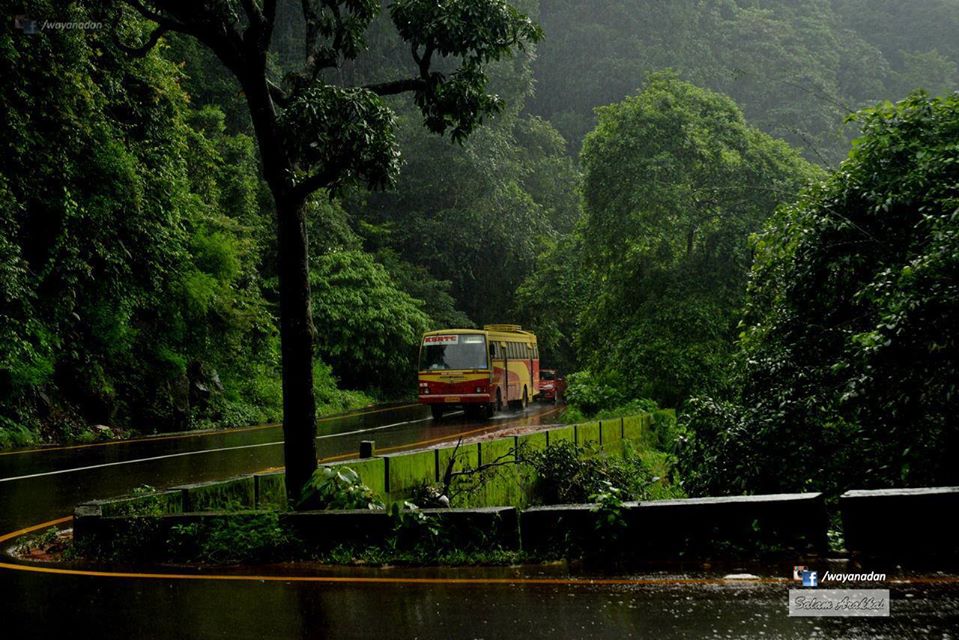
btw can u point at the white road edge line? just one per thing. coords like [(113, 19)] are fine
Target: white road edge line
[(202, 451)]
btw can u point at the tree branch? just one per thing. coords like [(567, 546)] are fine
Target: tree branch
[(269, 16), (277, 94), (396, 86), (206, 22), (156, 16), (143, 50), (320, 180), (253, 13), (511, 457), (312, 20)]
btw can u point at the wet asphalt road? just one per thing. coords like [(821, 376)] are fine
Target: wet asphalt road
[(39, 486)]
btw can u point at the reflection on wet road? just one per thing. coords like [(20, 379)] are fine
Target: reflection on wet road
[(533, 602), (48, 606), (36, 486)]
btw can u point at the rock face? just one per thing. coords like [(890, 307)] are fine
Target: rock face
[(204, 383), (179, 395)]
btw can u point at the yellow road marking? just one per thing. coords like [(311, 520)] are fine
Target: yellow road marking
[(36, 527), (572, 582), (585, 582), (197, 434)]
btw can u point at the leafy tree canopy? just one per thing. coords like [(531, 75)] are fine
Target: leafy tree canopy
[(850, 351), (674, 183)]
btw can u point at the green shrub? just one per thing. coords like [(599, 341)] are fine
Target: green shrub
[(339, 488), (591, 392), (567, 474), (258, 538)]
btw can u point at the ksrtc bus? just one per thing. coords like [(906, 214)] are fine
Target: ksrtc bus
[(479, 370)]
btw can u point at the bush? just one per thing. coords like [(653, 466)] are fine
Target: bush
[(259, 538), (591, 392), (337, 488), (567, 474)]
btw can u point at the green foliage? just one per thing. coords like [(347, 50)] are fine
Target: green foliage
[(797, 68), (675, 181), (257, 538), (330, 398), (849, 342), (350, 129), (427, 495), (50, 541), (413, 529), (569, 474), (477, 33), (473, 215), (610, 525), (368, 329), (130, 290), (337, 488), (591, 393), (14, 435), (553, 296)]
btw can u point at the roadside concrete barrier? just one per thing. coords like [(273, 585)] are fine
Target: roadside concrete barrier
[(221, 494), (404, 471), (483, 528), (321, 531), (664, 529), (270, 490), (905, 526)]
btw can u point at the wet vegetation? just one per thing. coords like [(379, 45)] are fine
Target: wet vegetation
[(563, 473), (740, 210)]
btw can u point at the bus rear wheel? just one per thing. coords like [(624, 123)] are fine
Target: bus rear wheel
[(437, 411), (520, 405)]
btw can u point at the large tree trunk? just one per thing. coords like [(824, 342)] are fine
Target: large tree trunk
[(296, 321), (296, 338)]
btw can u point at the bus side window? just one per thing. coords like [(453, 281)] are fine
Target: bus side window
[(492, 349)]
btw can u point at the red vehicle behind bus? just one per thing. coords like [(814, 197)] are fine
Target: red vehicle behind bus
[(479, 370), (552, 385)]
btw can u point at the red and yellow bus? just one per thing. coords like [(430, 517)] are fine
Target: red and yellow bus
[(479, 370)]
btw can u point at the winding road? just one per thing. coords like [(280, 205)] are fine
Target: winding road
[(304, 601)]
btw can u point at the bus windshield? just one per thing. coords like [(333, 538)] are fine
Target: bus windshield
[(453, 352)]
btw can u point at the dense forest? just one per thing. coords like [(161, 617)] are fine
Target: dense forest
[(740, 209)]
